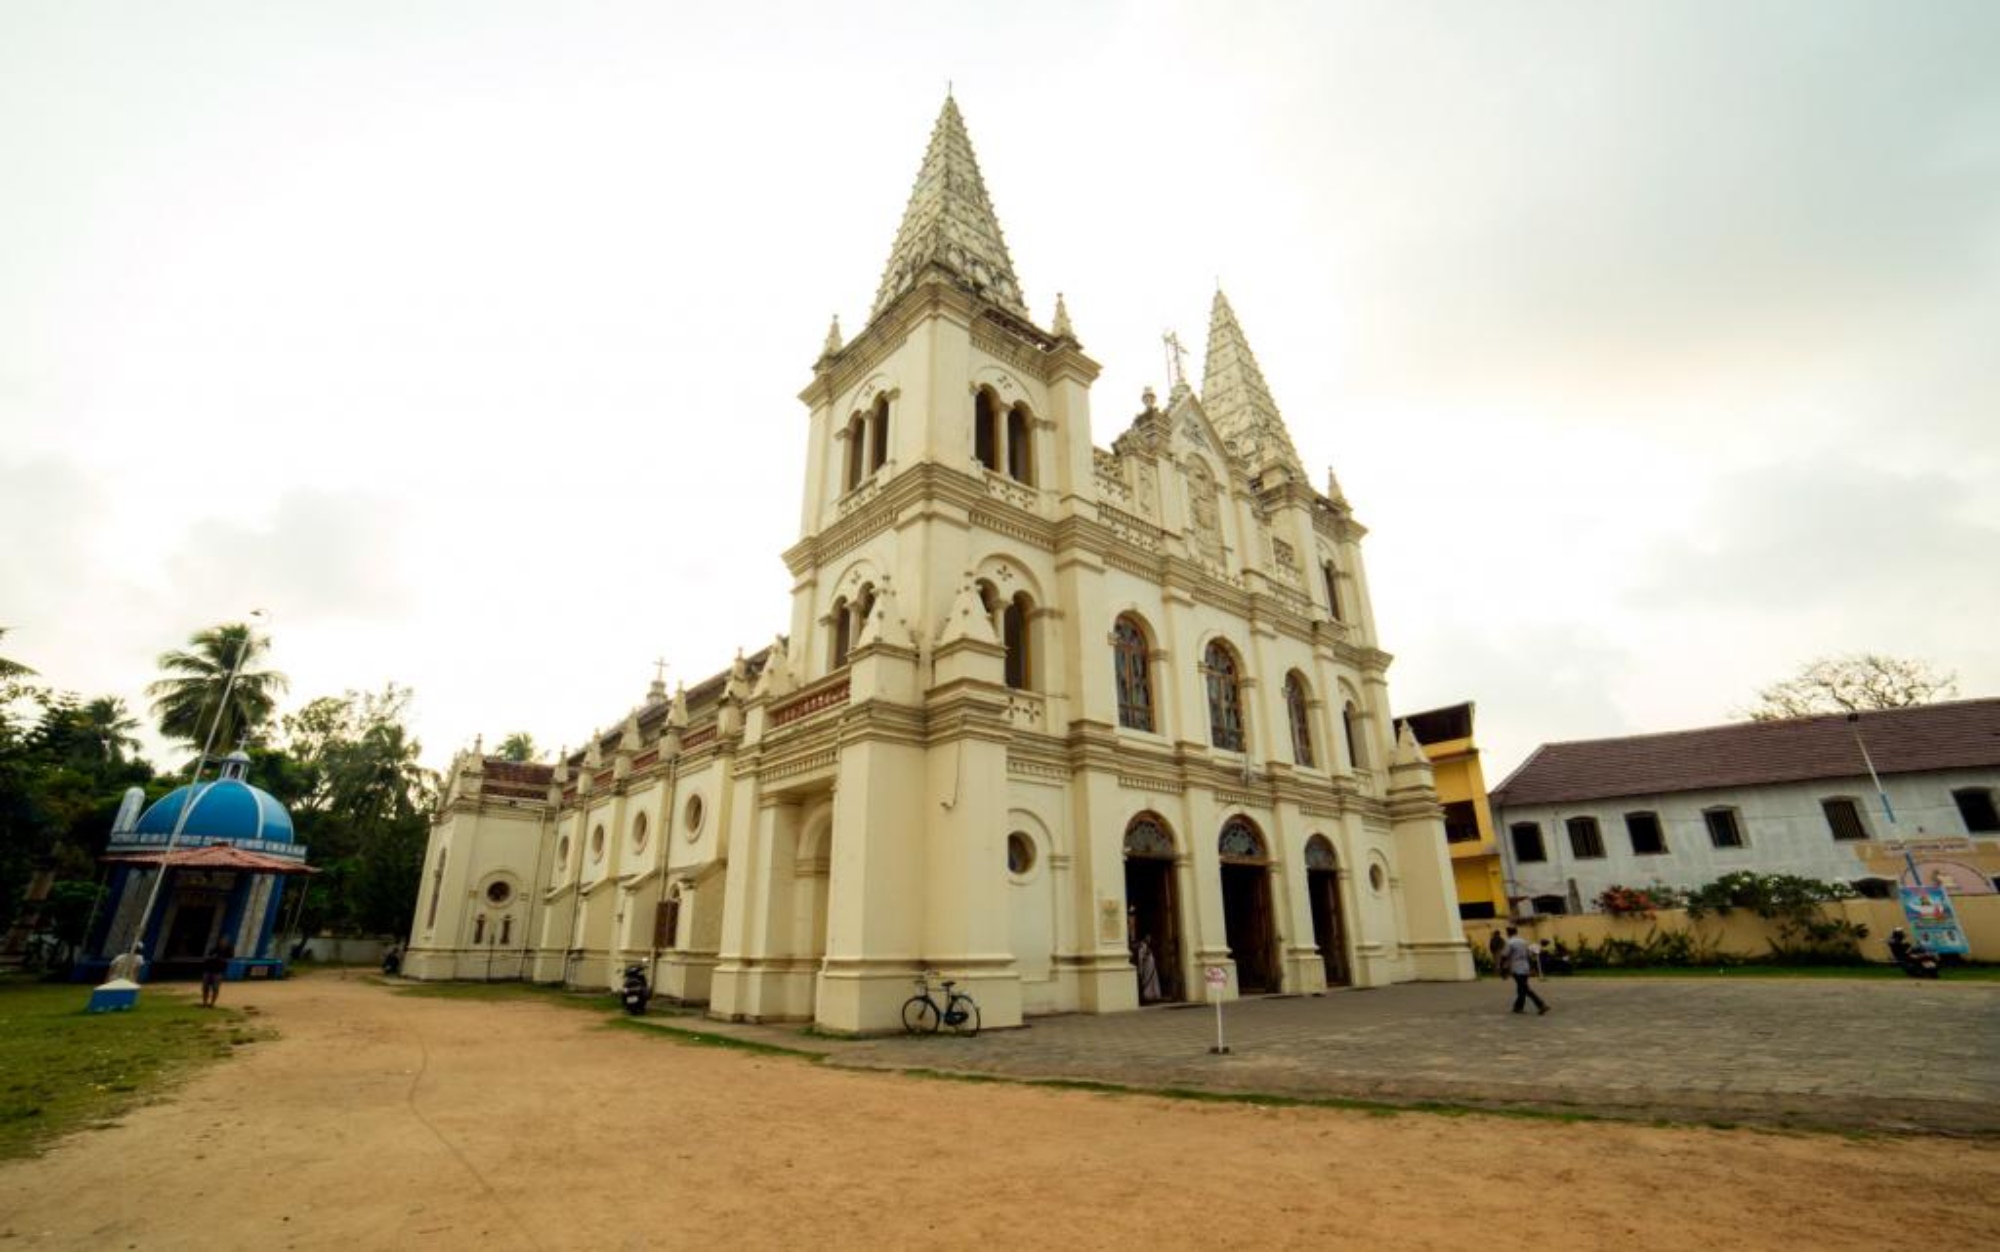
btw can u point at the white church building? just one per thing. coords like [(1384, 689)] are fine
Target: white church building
[(1039, 704)]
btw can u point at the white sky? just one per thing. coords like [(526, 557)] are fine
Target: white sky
[(1657, 344)]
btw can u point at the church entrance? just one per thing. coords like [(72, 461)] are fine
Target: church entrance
[(1152, 913), (1246, 907), (1323, 890)]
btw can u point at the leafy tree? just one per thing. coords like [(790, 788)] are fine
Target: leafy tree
[(192, 693), (1852, 684), (363, 806), (519, 747), (12, 669)]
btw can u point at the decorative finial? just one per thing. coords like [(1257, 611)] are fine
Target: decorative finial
[(479, 747), (1062, 328), (1149, 398), (832, 339), (657, 690)]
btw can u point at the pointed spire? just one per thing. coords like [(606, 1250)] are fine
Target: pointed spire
[(1061, 328), (949, 222), (1333, 491), (1236, 398), (832, 347)]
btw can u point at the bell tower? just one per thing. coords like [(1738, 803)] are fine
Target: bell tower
[(945, 438)]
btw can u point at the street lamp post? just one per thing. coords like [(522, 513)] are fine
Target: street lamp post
[(187, 805)]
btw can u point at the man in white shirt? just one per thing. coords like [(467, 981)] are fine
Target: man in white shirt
[(1519, 962)]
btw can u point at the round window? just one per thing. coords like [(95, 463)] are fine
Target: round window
[(639, 833), (498, 893), (693, 814), (1020, 853), (597, 844), (1376, 877)]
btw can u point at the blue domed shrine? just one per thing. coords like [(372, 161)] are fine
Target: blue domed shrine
[(226, 859)]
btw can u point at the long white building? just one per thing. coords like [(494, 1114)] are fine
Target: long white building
[(1791, 797)]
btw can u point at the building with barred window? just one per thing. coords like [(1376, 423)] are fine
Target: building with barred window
[(1039, 705), (1783, 797)]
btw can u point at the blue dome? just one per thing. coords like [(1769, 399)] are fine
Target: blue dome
[(227, 808)]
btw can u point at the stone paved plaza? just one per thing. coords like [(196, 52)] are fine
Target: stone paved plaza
[(1836, 1053)]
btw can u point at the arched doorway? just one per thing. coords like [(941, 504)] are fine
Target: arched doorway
[(1323, 890), (1246, 906), (1152, 915)]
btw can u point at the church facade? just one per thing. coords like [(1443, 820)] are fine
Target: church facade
[(1070, 725)]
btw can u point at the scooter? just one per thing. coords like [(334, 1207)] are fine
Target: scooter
[(636, 991), (1913, 959)]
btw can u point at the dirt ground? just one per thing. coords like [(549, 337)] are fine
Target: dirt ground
[(382, 1121)]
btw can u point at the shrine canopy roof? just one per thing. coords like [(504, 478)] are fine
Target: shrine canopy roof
[(218, 856)]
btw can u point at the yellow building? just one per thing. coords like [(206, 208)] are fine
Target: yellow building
[(1446, 735)]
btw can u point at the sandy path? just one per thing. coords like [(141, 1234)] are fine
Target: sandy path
[(378, 1121)]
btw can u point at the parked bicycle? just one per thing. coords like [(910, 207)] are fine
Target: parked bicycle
[(923, 1015)]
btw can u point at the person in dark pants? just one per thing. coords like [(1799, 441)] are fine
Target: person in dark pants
[(1519, 963), (213, 967)]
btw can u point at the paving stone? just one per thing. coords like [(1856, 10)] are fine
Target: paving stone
[(1854, 1054)]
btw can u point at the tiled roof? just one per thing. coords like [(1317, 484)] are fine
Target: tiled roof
[(518, 773), (214, 856), (1959, 735)]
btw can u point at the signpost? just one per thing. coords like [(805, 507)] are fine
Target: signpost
[(1217, 979)]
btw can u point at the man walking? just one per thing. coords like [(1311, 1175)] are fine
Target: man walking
[(1516, 960)]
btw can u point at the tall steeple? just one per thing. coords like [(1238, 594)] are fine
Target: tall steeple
[(1238, 401), (949, 223)]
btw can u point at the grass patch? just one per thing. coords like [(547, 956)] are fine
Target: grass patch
[(1956, 973), (707, 1039), (540, 993), (1373, 1108), (62, 1069)]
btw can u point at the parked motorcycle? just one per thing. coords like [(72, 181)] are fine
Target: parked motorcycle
[(1913, 959), (636, 992)]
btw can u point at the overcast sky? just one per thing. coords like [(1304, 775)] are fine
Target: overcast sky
[(1658, 345)]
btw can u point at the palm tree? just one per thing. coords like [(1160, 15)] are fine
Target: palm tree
[(12, 669), (190, 698), (519, 747), (106, 721)]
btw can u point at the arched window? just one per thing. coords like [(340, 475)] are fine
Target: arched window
[(1014, 635), (1296, 711), (1350, 722), (986, 429), (1147, 836), (1240, 841), (1319, 853), (843, 638), (479, 930), (506, 930), (1225, 697), (1020, 444), (857, 451), (1132, 667), (878, 435), (1332, 577)]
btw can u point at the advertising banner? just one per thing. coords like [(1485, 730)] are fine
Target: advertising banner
[(1933, 922)]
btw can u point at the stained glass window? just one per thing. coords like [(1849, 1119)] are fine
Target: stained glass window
[(1319, 853), (1240, 841), (1146, 837), (1135, 680), (1225, 698)]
